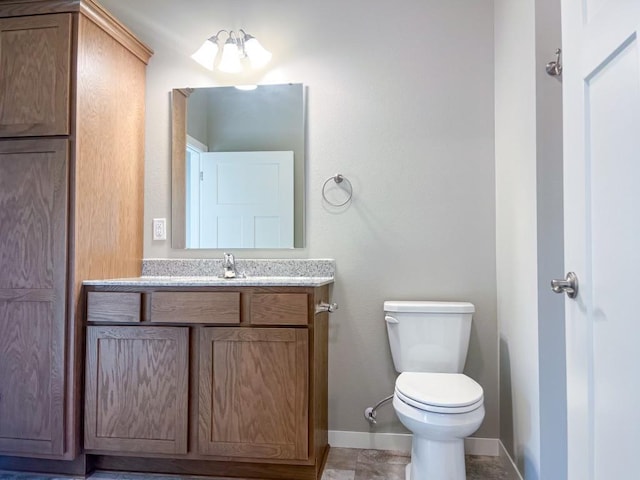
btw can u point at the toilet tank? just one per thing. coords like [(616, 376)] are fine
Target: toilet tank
[(427, 336)]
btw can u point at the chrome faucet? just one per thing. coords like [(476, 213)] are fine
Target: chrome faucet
[(229, 266)]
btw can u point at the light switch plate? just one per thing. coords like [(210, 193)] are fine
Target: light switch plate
[(159, 228)]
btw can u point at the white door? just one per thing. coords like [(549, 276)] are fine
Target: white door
[(246, 200), (601, 100)]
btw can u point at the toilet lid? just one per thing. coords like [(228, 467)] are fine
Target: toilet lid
[(440, 390)]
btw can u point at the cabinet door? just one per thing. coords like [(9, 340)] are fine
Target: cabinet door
[(33, 257), (35, 56), (136, 389), (253, 398)]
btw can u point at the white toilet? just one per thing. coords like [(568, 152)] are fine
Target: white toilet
[(432, 397)]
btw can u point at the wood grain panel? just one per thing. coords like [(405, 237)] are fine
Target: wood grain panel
[(109, 157), (25, 350), (78, 467), (253, 392), (137, 389), (178, 167), (26, 295), (35, 64), (220, 470), (320, 381), (107, 22), (23, 8), (113, 307), (33, 257), (196, 307), (109, 167), (32, 189), (93, 10), (104, 116), (108, 178), (279, 309)]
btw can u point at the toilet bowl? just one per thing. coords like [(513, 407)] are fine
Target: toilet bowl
[(440, 409), (433, 398)]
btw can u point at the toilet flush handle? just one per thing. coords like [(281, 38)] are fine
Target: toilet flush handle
[(390, 319)]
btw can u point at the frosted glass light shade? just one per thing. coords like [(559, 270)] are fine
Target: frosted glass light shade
[(206, 54), (230, 61), (258, 55)]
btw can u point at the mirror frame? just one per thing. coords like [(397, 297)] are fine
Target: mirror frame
[(179, 98)]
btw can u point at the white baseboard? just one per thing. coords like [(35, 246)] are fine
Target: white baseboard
[(402, 442), (482, 446), (379, 441)]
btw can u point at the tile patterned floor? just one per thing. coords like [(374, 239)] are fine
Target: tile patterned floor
[(342, 464), (354, 464)]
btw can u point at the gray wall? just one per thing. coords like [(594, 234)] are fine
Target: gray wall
[(552, 367), (400, 101), (529, 238), (516, 232), (197, 117)]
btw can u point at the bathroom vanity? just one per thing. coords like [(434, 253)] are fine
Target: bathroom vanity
[(208, 376)]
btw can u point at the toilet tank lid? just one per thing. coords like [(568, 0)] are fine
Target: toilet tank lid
[(428, 306)]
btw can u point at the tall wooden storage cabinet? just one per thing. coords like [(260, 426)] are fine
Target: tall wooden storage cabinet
[(72, 83)]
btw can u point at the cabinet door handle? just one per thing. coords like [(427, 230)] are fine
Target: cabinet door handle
[(326, 307)]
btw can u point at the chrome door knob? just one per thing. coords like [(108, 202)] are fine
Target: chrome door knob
[(569, 285)]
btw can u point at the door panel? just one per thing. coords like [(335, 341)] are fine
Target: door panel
[(253, 392), (613, 225), (601, 89), (25, 343), (35, 57), (33, 256), (246, 200), (136, 389)]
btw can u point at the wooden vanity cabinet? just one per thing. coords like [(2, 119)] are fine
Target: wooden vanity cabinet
[(257, 389), (72, 83)]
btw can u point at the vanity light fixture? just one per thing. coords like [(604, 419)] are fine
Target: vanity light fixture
[(236, 47)]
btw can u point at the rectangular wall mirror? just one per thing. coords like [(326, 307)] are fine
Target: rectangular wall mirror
[(238, 167)]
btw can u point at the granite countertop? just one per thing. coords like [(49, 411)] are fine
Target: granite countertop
[(207, 272), (206, 281)]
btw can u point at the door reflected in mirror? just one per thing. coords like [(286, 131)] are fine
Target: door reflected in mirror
[(239, 199), (238, 167)]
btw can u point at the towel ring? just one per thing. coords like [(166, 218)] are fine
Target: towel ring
[(338, 178)]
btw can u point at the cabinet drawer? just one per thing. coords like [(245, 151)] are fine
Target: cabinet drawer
[(113, 307), (279, 309), (195, 307)]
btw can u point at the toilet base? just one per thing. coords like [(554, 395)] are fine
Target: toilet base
[(436, 460), (437, 449)]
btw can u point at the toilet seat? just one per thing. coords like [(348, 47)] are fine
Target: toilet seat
[(439, 392)]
